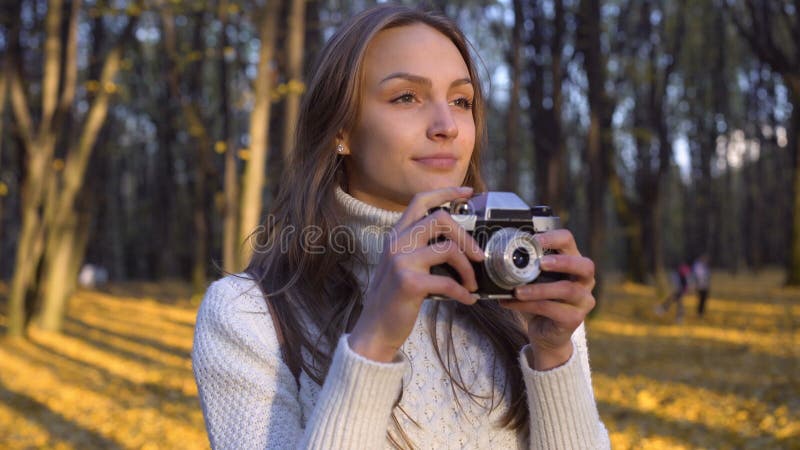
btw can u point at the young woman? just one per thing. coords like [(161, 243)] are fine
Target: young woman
[(331, 338)]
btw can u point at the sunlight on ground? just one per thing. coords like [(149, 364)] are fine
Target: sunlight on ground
[(120, 375), (726, 381)]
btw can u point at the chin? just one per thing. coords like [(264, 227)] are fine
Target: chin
[(434, 184)]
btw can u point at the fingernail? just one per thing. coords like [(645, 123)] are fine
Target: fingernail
[(547, 261), (465, 189)]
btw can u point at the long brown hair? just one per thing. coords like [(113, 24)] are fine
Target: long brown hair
[(320, 287)]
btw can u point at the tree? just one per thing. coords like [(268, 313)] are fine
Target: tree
[(49, 222), (294, 72), (511, 178), (655, 47), (253, 179), (228, 142), (544, 86), (772, 30), (185, 85), (599, 152)]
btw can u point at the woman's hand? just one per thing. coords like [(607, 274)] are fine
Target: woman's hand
[(554, 310), (403, 280)]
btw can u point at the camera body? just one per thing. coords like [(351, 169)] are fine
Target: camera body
[(503, 226)]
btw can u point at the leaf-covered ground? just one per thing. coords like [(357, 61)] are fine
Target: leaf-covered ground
[(727, 381), (120, 375)]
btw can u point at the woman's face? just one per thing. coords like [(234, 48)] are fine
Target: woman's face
[(415, 130)]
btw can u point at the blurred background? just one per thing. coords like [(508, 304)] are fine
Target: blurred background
[(142, 141)]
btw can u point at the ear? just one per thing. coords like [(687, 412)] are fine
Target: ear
[(343, 137), (343, 140)]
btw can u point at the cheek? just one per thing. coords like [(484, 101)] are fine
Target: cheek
[(465, 122), (466, 133), (382, 142)]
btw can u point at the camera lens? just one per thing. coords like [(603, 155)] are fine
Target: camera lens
[(521, 258), (512, 258), (462, 207)]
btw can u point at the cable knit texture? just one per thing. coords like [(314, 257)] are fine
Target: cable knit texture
[(251, 400)]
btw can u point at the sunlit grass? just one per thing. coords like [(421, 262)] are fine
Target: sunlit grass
[(727, 381), (120, 375)]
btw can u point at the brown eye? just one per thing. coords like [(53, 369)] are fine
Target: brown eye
[(463, 103), (407, 97)]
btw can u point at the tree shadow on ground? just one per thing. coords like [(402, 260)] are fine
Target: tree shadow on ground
[(718, 366), (61, 428), (79, 371), (695, 434), (152, 343)]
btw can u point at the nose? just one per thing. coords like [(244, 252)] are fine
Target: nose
[(442, 125)]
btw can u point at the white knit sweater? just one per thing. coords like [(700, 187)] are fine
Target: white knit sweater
[(251, 400)]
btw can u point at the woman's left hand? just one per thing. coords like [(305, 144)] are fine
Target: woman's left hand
[(554, 310)]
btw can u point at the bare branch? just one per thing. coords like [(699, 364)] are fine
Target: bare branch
[(78, 159), (19, 97), (19, 104), (4, 81), (760, 39), (677, 44), (71, 66), (52, 62)]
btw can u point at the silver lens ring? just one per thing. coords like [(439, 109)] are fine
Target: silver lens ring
[(512, 258)]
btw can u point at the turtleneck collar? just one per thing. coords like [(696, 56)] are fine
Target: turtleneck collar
[(369, 224)]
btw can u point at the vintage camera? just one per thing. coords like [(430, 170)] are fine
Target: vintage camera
[(504, 226)]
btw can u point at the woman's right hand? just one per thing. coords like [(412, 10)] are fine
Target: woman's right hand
[(403, 280)]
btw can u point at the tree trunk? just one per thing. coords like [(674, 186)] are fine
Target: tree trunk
[(294, 52), (231, 191), (632, 230), (599, 145), (5, 74), (545, 105), (29, 249), (169, 213), (202, 167), (79, 251), (56, 103), (556, 170), (59, 256), (62, 230), (201, 141), (761, 33), (255, 166), (511, 178), (314, 33), (39, 147), (793, 263), (793, 269), (657, 205)]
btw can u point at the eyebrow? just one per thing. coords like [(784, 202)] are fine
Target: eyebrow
[(416, 79)]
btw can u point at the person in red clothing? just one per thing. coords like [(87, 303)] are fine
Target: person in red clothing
[(680, 280)]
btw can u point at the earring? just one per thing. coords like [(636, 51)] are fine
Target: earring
[(340, 149)]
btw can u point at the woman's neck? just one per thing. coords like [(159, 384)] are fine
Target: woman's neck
[(369, 223), (384, 202)]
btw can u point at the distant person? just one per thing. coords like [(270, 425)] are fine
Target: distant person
[(680, 281), (701, 275), (92, 276)]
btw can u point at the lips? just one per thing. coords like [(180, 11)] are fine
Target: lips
[(441, 161)]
